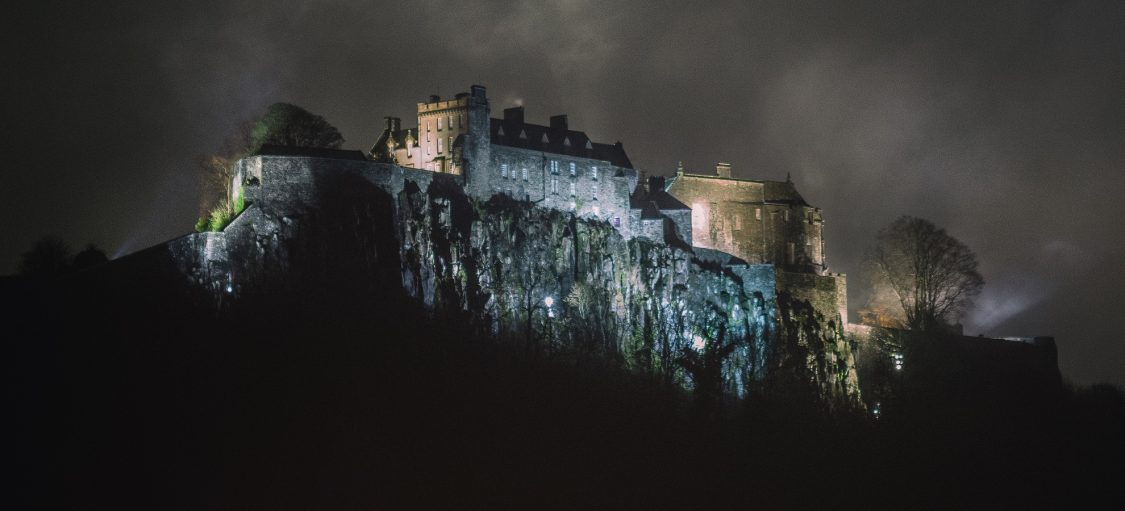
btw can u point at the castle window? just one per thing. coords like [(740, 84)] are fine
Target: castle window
[(439, 145), (594, 191), (460, 120), (738, 222), (555, 185), (503, 170), (554, 166), (449, 121), (786, 215), (617, 221), (525, 173), (573, 169), (572, 189), (757, 213), (439, 123), (790, 253), (429, 126), (594, 172)]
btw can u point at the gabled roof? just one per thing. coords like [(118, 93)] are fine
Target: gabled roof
[(399, 138), (513, 133), (655, 194)]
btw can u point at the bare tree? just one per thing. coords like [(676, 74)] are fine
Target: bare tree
[(932, 275)]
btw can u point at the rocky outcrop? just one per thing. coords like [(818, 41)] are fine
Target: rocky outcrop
[(549, 281)]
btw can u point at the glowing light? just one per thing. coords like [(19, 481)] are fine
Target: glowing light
[(548, 301), (897, 357), (697, 342)]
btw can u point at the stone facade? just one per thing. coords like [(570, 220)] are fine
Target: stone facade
[(758, 223), (765, 222)]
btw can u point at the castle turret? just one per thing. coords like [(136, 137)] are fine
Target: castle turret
[(476, 152)]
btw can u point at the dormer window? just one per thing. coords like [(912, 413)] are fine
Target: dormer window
[(544, 139), (566, 142), (523, 134), (500, 132), (589, 146)]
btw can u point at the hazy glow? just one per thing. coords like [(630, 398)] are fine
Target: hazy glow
[(697, 342)]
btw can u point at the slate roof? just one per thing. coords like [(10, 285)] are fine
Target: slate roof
[(717, 256), (399, 136), (513, 133), (662, 200)]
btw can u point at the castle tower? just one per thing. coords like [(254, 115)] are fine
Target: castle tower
[(476, 148), (440, 123)]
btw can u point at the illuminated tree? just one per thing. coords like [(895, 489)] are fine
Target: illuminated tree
[(932, 275), (283, 124), (290, 125)]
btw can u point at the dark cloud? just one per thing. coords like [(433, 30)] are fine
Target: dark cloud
[(1002, 121)]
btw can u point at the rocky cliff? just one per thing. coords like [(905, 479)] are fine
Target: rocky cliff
[(546, 280)]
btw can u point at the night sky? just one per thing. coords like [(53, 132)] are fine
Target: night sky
[(1003, 122)]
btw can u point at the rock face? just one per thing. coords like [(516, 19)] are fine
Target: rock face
[(547, 280)]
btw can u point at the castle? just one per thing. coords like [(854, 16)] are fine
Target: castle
[(741, 224)]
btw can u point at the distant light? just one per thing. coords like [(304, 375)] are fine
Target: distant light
[(549, 301), (697, 342)]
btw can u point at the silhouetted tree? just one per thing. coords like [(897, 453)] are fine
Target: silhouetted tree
[(931, 274), (89, 257), (48, 257)]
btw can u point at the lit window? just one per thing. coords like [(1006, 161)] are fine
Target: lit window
[(554, 166), (573, 169), (572, 189), (503, 170), (594, 172), (525, 173), (594, 191)]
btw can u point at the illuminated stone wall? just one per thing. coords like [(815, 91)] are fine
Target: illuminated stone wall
[(757, 221)]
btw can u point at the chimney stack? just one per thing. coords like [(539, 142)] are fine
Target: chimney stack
[(722, 170), (434, 98), (558, 123), (514, 115)]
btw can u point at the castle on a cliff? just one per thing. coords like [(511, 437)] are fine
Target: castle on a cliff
[(736, 223)]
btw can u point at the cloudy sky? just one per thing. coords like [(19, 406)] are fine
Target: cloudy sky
[(1003, 122)]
